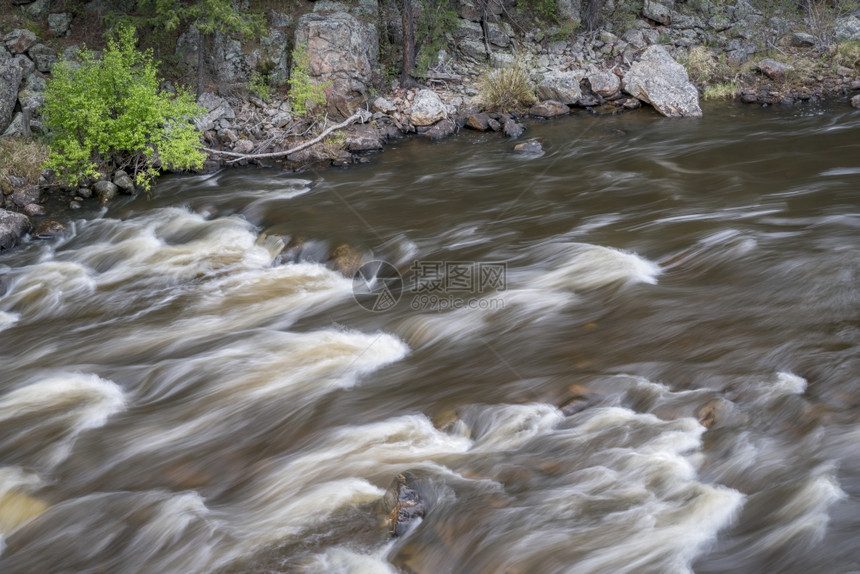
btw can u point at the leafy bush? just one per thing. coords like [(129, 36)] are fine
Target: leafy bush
[(109, 113), (305, 96), (436, 21), (509, 88)]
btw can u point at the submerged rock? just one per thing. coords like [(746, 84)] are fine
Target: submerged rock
[(403, 505), (529, 147), (659, 80)]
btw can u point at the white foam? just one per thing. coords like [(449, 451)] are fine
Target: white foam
[(581, 266), (73, 402), (340, 560)]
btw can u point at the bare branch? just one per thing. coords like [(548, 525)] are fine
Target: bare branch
[(360, 115)]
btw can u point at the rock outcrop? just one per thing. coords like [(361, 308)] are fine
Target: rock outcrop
[(10, 79), (342, 54), (659, 80)]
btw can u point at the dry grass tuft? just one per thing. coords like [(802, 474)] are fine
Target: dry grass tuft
[(22, 157), (507, 89)]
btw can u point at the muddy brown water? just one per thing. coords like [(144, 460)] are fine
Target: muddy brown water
[(636, 352)]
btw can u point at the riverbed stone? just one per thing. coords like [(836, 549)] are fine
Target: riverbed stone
[(479, 121), (513, 129), (49, 229), (123, 182), (106, 191), (13, 226), (855, 101), (773, 69), (441, 130), (548, 109), (529, 147), (10, 79), (659, 80), (342, 54), (427, 108), (560, 86)]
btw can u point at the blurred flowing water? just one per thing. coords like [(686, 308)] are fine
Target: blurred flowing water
[(663, 378)]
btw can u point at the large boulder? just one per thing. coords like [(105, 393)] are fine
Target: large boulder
[(427, 108), (560, 86), (342, 54), (659, 80), (12, 227), (10, 79)]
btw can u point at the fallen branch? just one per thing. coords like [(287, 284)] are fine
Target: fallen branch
[(361, 115)]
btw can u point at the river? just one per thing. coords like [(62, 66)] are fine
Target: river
[(636, 352)]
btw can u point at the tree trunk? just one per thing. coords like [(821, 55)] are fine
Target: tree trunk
[(408, 17), (201, 47)]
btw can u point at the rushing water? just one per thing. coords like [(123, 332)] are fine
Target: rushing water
[(644, 357)]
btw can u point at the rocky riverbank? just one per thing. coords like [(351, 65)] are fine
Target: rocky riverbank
[(661, 54)]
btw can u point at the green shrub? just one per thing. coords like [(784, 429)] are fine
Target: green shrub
[(723, 91), (305, 96), (701, 64), (109, 113), (436, 21), (505, 89), (848, 54)]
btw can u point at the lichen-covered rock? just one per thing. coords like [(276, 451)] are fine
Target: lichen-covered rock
[(658, 11), (43, 56), (848, 28), (363, 137), (342, 54), (659, 80), (10, 79), (773, 69), (60, 24), (604, 83), (20, 40), (530, 147), (13, 226), (427, 108), (560, 86)]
